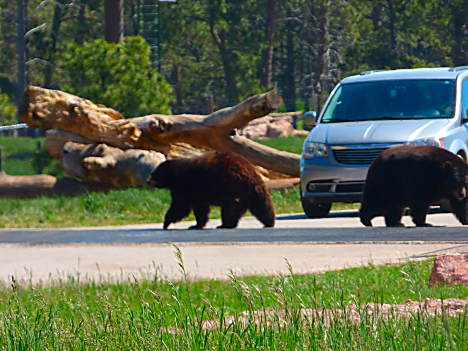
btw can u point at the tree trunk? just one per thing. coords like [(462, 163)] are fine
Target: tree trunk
[(392, 24), (289, 92), (177, 85), (267, 54), (53, 47), (21, 49), (376, 10), (232, 91), (105, 164), (113, 20), (81, 32), (49, 109), (459, 57), (22, 187), (321, 64)]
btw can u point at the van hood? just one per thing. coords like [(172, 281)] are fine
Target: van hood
[(377, 132)]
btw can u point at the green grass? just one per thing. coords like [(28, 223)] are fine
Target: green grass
[(17, 154), (21, 156), (289, 144), (151, 313), (117, 207)]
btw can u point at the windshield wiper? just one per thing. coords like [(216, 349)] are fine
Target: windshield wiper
[(338, 120), (385, 118)]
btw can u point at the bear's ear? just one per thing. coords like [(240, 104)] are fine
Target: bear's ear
[(448, 166)]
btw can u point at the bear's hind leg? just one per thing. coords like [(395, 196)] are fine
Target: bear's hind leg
[(230, 215), (261, 206), (176, 212), (201, 215), (393, 217), (418, 213)]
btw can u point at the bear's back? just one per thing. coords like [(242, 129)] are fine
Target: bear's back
[(214, 177), (408, 171)]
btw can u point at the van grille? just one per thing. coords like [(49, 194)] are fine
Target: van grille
[(349, 187), (357, 156)]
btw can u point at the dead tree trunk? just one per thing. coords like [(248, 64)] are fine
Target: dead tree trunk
[(105, 164), (50, 109), (22, 187)]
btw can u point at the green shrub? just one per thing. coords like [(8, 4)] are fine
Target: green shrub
[(7, 111), (119, 76)]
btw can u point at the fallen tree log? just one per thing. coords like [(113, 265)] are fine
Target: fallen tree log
[(105, 164), (29, 187), (279, 184), (26, 187), (56, 140), (50, 109)]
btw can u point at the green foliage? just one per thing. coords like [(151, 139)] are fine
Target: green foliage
[(212, 50), (42, 161), (7, 111), (119, 76)]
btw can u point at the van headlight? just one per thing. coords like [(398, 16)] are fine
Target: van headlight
[(311, 150), (427, 141)]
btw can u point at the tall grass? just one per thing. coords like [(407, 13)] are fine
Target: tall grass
[(148, 312)]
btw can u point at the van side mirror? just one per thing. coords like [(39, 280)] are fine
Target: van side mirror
[(464, 120), (310, 120)]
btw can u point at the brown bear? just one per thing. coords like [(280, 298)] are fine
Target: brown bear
[(415, 177), (214, 178)]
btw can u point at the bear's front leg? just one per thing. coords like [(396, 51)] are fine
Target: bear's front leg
[(176, 212), (366, 214)]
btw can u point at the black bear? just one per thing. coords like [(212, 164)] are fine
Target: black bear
[(415, 177), (214, 178)]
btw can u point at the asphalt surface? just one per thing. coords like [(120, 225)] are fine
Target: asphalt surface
[(245, 235), (339, 227), (310, 245)]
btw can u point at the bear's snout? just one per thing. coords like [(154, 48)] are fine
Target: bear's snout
[(461, 194), (149, 182)]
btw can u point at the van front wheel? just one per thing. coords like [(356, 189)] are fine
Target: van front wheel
[(315, 210)]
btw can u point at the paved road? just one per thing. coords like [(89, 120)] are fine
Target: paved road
[(339, 227), (310, 245), (278, 235)]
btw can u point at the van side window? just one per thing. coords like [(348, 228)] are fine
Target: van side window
[(464, 99)]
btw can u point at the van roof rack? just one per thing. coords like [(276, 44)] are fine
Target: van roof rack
[(457, 69), (373, 71)]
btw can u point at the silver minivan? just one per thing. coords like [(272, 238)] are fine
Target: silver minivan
[(368, 113)]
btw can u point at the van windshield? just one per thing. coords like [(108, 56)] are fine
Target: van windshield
[(391, 99)]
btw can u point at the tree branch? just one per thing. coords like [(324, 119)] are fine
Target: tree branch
[(34, 30)]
